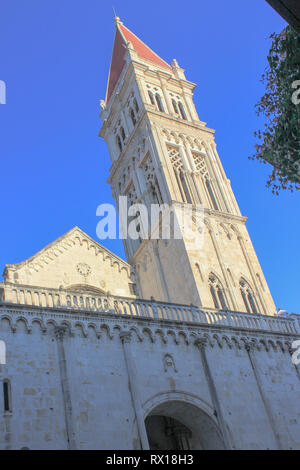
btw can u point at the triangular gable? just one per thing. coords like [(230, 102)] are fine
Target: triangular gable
[(73, 261)]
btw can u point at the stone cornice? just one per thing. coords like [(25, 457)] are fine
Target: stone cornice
[(225, 215), (92, 303), (80, 322), (198, 126)]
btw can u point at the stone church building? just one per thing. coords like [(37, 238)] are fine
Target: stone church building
[(180, 347)]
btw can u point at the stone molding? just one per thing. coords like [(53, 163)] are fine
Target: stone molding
[(142, 329)]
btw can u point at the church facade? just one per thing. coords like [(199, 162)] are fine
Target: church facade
[(180, 347)]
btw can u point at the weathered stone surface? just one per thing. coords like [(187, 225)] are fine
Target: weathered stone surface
[(169, 377)]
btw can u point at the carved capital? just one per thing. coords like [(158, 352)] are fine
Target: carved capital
[(249, 346), (60, 332), (201, 343), (125, 336)]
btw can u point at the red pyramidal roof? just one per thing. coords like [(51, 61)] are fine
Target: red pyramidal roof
[(122, 37)]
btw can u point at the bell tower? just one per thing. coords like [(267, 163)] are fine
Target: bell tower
[(162, 153)]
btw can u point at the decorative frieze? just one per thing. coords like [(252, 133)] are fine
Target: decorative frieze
[(147, 328)]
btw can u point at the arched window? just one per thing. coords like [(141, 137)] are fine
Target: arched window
[(119, 143), (175, 107), (182, 111), (245, 301), (217, 292), (214, 297), (132, 117), (136, 106), (221, 298), (154, 194), (159, 196), (132, 288), (248, 297), (122, 133), (211, 194), (180, 175), (151, 97), (179, 183), (7, 395), (252, 302), (159, 102)]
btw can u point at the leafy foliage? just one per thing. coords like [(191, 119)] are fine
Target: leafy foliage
[(279, 142)]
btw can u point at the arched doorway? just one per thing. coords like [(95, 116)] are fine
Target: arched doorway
[(165, 433), (178, 425)]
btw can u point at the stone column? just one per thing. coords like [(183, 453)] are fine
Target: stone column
[(201, 344), (163, 85), (59, 334), (249, 348), (125, 337)]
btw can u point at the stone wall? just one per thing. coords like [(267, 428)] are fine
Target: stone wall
[(88, 381)]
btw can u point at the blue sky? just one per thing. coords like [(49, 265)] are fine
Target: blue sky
[(55, 59)]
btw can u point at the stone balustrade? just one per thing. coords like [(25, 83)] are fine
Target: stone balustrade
[(132, 307)]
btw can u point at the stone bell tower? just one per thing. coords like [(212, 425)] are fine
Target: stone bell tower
[(162, 153)]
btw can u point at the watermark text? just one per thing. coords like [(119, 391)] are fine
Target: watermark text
[(296, 94), (158, 221)]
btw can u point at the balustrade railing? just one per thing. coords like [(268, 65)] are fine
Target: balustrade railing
[(132, 307)]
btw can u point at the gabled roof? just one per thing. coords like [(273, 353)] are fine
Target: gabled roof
[(73, 260), (122, 36), (75, 231)]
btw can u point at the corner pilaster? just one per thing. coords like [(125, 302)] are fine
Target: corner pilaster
[(60, 333), (250, 348), (201, 344)]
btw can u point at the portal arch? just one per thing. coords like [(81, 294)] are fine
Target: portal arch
[(181, 421)]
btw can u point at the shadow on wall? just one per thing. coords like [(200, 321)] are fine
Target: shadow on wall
[(176, 425)]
